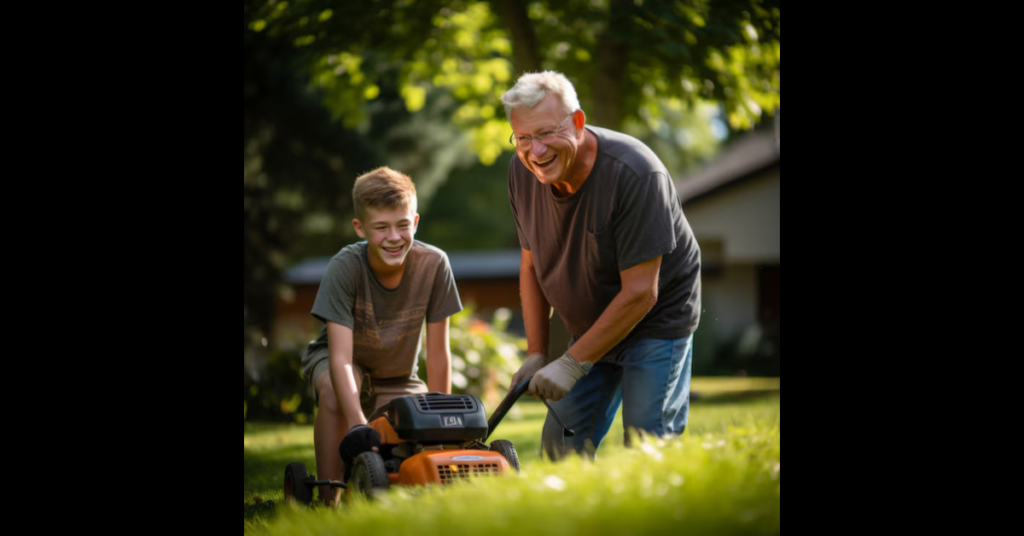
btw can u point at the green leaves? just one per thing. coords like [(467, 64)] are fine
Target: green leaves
[(725, 51)]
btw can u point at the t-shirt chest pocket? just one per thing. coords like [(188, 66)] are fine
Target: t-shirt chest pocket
[(601, 250)]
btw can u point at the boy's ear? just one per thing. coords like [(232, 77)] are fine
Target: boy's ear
[(358, 226), (416, 222)]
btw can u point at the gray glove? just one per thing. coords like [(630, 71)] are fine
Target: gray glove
[(533, 363), (554, 381)]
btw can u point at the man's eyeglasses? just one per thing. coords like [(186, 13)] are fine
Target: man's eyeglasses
[(544, 137)]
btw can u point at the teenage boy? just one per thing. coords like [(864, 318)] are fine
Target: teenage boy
[(374, 300)]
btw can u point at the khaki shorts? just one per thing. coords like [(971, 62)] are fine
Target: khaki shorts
[(373, 393)]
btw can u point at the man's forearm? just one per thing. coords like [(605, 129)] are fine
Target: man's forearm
[(638, 296), (614, 324), (536, 309)]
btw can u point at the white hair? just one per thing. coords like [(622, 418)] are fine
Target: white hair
[(532, 88)]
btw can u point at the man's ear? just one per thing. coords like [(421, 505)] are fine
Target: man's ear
[(416, 222), (358, 226), (580, 119)]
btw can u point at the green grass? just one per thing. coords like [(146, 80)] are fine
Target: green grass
[(722, 477)]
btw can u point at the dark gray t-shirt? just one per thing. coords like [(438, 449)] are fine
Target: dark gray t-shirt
[(626, 213), (387, 324)]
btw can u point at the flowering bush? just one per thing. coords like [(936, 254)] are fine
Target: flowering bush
[(484, 358), (484, 355)]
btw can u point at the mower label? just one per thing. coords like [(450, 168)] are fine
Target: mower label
[(452, 421), (467, 458)]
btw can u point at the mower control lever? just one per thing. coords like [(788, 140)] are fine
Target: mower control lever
[(510, 400), (568, 432)]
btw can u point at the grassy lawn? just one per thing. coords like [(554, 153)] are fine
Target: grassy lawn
[(722, 476)]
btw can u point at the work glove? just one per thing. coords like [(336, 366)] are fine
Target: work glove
[(533, 363), (361, 438), (554, 381)]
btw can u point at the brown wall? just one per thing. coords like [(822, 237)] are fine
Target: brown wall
[(490, 294), (294, 325)]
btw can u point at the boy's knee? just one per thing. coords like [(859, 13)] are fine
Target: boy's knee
[(325, 391)]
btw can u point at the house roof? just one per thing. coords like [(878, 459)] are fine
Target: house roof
[(742, 159), (465, 265)]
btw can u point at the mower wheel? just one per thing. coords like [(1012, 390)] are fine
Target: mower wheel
[(369, 476), (295, 488), (506, 449)]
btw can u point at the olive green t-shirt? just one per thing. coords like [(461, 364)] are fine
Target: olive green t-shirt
[(627, 212), (387, 324)]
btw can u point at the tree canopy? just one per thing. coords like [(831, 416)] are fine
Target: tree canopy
[(632, 61)]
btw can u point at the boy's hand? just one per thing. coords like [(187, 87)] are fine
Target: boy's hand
[(361, 438)]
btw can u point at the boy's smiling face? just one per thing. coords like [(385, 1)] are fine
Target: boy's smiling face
[(389, 233)]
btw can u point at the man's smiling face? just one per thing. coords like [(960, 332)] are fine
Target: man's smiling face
[(551, 162)]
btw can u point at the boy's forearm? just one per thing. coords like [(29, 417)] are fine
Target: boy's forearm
[(348, 398), (343, 374), (439, 375), (439, 358)]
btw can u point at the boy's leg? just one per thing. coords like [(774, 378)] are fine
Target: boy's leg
[(656, 386), (384, 391), (331, 426), (328, 431), (589, 410)]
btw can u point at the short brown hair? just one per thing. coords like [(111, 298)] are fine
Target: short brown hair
[(383, 188)]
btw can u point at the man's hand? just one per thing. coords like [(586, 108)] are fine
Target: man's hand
[(361, 438), (533, 363), (557, 379)]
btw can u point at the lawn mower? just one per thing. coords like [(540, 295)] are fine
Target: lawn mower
[(425, 439)]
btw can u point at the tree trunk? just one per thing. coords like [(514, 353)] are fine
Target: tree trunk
[(525, 51), (612, 58)]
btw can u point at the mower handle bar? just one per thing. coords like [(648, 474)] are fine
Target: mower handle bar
[(331, 483), (510, 399)]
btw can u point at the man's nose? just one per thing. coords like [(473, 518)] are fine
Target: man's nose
[(537, 146)]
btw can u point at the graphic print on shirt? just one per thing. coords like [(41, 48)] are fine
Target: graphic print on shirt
[(378, 334), (366, 337)]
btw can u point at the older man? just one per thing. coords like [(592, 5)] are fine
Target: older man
[(605, 244)]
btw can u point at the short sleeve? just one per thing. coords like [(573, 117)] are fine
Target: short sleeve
[(444, 297), (523, 241), (645, 226), (336, 298)]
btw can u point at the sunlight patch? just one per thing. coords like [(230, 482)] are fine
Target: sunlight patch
[(554, 483), (652, 451)]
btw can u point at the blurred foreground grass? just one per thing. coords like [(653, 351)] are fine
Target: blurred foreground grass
[(722, 477)]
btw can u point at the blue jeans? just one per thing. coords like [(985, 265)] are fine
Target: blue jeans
[(651, 378)]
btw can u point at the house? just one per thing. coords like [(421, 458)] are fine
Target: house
[(734, 206)]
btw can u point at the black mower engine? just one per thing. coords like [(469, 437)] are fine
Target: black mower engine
[(437, 418)]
